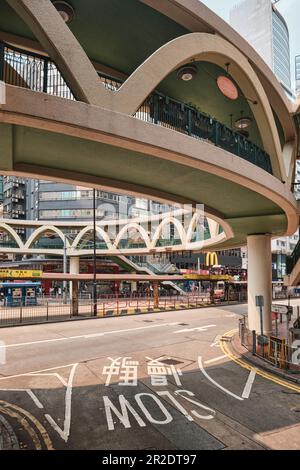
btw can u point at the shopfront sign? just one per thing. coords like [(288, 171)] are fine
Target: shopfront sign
[(19, 274)]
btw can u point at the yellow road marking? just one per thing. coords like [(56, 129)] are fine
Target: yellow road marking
[(249, 367), (17, 413)]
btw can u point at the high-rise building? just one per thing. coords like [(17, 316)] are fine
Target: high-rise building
[(297, 74), (47, 200), (14, 197), (261, 24)]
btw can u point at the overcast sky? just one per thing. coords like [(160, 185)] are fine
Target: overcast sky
[(290, 9)]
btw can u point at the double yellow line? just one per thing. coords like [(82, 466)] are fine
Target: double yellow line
[(246, 365)]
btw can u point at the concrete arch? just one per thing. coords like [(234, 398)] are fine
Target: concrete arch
[(139, 228), (192, 226), (6, 228), (41, 230), (168, 221), (62, 46), (211, 48), (87, 229)]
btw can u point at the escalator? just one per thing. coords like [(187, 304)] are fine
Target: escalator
[(132, 265)]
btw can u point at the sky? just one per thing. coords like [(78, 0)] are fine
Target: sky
[(290, 9)]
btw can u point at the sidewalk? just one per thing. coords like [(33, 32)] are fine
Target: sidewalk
[(238, 350)]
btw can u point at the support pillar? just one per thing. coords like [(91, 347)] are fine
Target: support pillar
[(74, 304), (155, 294), (259, 282), (74, 269)]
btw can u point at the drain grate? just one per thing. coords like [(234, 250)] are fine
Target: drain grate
[(171, 362)]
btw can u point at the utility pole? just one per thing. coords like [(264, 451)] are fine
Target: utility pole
[(65, 271), (95, 256)]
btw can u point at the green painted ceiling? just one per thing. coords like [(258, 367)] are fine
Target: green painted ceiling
[(203, 93), (91, 158), (123, 33)]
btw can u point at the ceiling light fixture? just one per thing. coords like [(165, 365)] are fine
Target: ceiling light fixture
[(187, 73), (243, 123), (65, 10)]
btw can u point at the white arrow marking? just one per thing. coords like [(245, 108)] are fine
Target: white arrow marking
[(215, 359), (249, 383), (216, 383), (200, 328)]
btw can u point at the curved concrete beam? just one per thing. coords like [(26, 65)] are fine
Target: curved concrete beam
[(196, 17), (85, 230), (6, 228), (43, 229), (27, 108), (204, 47), (139, 228), (168, 221), (62, 46)]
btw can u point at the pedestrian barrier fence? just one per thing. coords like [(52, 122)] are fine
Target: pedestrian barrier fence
[(283, 353), (54, 310)]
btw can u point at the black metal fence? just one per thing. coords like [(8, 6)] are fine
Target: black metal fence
[(38, 73), (167, 112), (54, 310), (31, 70)]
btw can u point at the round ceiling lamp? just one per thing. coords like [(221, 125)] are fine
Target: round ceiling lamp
[(243, 123), (187, 73), (227, 87), (65, 10)]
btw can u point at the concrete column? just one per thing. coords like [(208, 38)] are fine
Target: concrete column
[(74, 269), (259, 281), (155, 294)]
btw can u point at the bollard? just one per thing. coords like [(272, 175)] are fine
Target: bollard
[(254, 342)]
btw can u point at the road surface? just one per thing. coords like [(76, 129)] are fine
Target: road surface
[(160, 381)]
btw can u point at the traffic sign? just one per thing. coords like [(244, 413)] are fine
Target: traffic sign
[(281, 309)]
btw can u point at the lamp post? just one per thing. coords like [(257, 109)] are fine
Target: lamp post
[(65, 271), (95, 256)]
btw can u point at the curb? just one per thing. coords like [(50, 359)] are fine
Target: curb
[(259, 363)]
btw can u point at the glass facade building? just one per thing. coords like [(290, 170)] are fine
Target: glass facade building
[(297, 73), (261, 24)]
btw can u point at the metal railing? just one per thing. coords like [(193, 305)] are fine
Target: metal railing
[(167, 112), (276, 351), (291, 260), (38, 73), (54, 310), (31, 70)]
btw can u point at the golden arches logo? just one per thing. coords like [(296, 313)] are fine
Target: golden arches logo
[(211, 259)]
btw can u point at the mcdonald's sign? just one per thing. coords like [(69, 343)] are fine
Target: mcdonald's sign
[(211, 259)]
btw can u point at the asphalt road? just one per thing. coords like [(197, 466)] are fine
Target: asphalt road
[(159, 381)]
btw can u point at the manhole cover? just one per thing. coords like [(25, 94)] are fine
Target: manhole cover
[(183, 324), (148, 321), (171, 362)]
